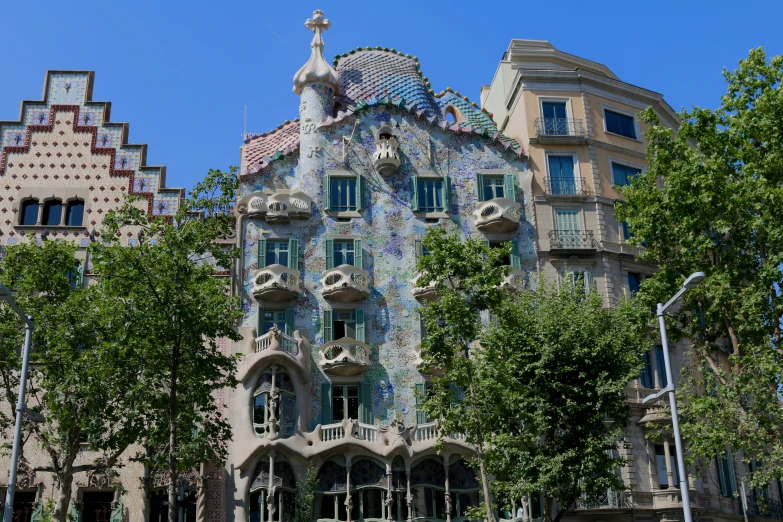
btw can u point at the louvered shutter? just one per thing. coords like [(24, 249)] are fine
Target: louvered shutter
[(293, 254), (509, 189), (418, 247), (588, 282), (365, 403), (327, 192), (421, 417), (357, 254), (480, 186), (446, 194), (360, 326), (514, 258), (732, 479), (661, 366), (329, 254), (290, 321), (326, 403), (261, 254), (414, 180), (328, 327), (359, 193)]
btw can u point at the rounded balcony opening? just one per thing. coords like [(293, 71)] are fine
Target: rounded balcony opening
[(333, 279), (274, 404), (489, 210)]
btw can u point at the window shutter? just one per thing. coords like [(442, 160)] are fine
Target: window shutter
[(509, 188), (455, 392), (516, 262), (365, 403), (260, 322), (327, 192), (588, 282), (644, 374), (360, 326), (290, 321), (421, 417), (328, 327), (446, 194), (261, 253), (418, 246), (329, 254), (326, 403), (359, 193), (732, 485), (414, 196), (661, 366), (480, 186), (357, 253), (293, 254)]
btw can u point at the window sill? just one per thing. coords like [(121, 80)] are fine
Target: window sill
[(623, 136), (432, 215), (58, 227), (344, 214)]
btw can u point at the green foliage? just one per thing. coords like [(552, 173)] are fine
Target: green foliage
[(533, 387), (712, 201), (305, 496)]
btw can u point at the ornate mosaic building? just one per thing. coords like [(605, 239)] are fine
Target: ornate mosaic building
[(333, 205)]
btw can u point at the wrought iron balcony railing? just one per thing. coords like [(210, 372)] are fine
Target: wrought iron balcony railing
[(566, 186), (572, 240), (607, 500), (555, 127)]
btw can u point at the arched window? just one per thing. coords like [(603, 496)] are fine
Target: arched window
[(74, 213), (452, 114), (29, 212), (284, 486), (428, 485), (52, 212), (398, 489), (463, 488), (159, 505), (332, 487), (368, 490), (274, 394)]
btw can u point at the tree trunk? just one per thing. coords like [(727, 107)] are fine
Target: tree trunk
[(172, 463), (485, 485), (63, 501)]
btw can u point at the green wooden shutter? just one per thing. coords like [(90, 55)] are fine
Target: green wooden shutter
[(454, 389), (116, 515), (419, 250), (261, 253), (359, 193), (293, 254), (74, 513), (516, 262), (328, 327), (421, 417), (480, 186), (588, 282), (260, 322), (722, 479), (290, 321), (446, 194), (508, 187), (358, 260), (365, 403), (326, 403), (80, 278), (422, 329), (414, 196), (730, 468), (329, 254), (327, 192), (360, 326)]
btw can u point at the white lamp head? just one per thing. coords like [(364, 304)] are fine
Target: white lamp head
[(693, 280)]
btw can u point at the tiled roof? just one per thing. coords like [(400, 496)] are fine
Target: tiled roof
[(474, 117), (259, 151)]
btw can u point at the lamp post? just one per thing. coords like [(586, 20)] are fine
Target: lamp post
[(5, 295), (692, 281)]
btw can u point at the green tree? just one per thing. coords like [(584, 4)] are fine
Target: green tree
[(533, 384), (180, 310), (80, 381), (711, 200)]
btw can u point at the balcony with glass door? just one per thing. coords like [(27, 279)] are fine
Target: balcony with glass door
[(568, 236), (562, 180), (556, 127)]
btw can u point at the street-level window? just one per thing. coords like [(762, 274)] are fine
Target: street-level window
[(618, 123)]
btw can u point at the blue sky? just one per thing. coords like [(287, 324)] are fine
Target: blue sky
[(182, 72)]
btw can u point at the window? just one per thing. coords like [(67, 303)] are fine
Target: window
[(567, 228), (29, 212), (346, 401), (343, 252), (96, 506), (725, 464), (663, 469), (561, 174), (278, 472), (74, 213), (623, 174), (23, 506), (634, 282), (626, 230), (646, 373), (343, 194), (283, 319), (430, 194), (343, 323), (52, 212), (421, 249), (661, 366), (428, 485), (514, 260), (555, 122), (579, 277), (621, 124), (422, 389), (369, 492), (278, 252), (495, 186), (274, 382), (159, 502)]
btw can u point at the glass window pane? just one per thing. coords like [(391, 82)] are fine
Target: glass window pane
[(52, 213), (343, 253), (30, 212), (75, 214), (372, 503), (430, 195), (338, 404), (343, 194)]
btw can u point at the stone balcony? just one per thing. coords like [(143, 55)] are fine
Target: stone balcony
[(514, 281), (274, 347), (419, 363), (345, 284), (423, 291), (670, 498), (276, 283), (279, 206), (345, 357), (498, 216)]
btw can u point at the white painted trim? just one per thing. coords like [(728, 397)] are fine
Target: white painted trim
[(577, 169), (570, 206), (555, 99), (605, 107)]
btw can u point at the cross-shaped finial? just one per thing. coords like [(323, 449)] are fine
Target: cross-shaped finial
[(318, 23)]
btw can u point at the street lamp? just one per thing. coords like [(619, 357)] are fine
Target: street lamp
[(692, 281), (7, 296)]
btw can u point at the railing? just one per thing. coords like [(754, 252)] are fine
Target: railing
[(572, 240), (277, 279), (566, 186), (332, 432), (428, 431), (345, 356), (368, 432), (498, 215), (609, 499), (559, 127), (276, 340), (758, 507), (278, 207), (345, 283)]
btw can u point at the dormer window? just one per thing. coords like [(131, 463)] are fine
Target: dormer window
[(29, 213), (52, 212)]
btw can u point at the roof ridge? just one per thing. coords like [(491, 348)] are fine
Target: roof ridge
[(390, 50), (265, 134), (457, 93)]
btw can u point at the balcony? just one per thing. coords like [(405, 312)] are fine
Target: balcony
[(279, 206), (498, 216), (514, 281), (345, 284), (275, 340), (345, 357), (385, 159), (419, 363), (609, 499), (566, 186), (559, 130), (572, 240), (670, 498), (274, 347), (276, 283), (425, 292)]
